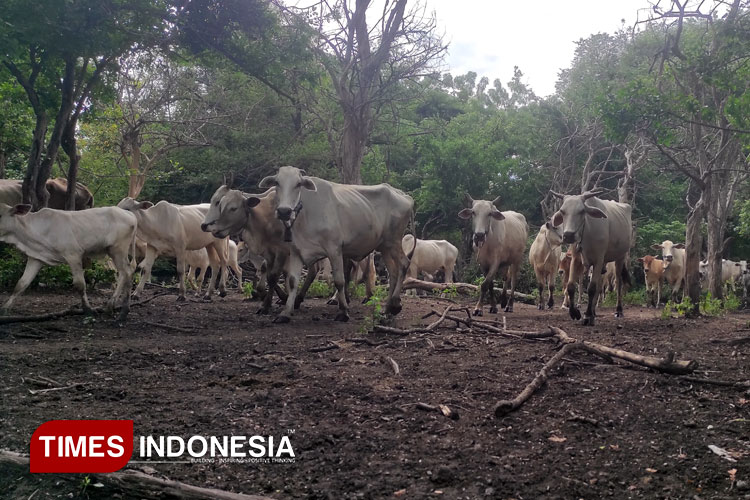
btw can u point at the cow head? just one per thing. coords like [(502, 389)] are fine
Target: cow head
[(565, 260), (228, 212), (289, 182), (133, 205), (8, 219), (572, 215), (553, 234), (667, 251), (481, 212)]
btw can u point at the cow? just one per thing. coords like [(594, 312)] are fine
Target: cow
[(172, 230), (600, 231), (566, 259), (673, 256), (608, 281), (544, 257), (11, 193), (499, 239), (653, 272), (55, 237), (430, 256), (731, 272), (340, 221)]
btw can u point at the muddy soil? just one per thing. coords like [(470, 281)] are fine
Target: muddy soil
[(595, 430)]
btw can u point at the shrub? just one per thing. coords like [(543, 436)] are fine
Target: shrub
[(320, 289)]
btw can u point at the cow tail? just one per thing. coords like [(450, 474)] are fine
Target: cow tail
[(134, 258), (625, 275), (414, 247)]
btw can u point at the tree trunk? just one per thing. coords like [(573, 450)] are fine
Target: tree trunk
[(715, 239), (693, 245), (3, 164), (35, 159), (70, 146), (352, 151), (135, 184), (53, 146)]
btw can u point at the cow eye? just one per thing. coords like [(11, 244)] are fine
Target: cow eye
[(233, 209)]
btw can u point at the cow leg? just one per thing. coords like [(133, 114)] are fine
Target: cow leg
[(340, 281), (79, 281), (575, 275), (216, 268), (181, 275), (32, 269), (305, 286), (397, 264), (505, 273), (675, 290), (551, 284), (540, 288), (595, 283), (124, 283), (513, 272), (564, 284), (370, 277), (293, 273), (489, 277), (412, 272), (618, 276), (272, 285), (349, 274), (201, 279), (145, 265)]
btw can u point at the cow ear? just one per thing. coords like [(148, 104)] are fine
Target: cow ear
[(466, 213), (679, 245), (268, 182), (144, 205), (557, 219), (20, 210), (656, 247), (548, 225), (250, 202), (308, 183), (595, 213), (497, 215), (640, 259)]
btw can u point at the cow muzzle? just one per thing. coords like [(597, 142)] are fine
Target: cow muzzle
[(284, 213), (479, 239), (569, 237), (204, 227)]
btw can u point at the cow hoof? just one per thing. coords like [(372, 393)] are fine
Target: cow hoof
[(588, 321), (281, 319), (342, 316), (333, 302), (181, 298), (551, 305), (393, 310), (223, 293), (503, 300), (207, 298), (493, 309), (575, 314), (509, 308), (262, 310), (619, 314), (477, 312)]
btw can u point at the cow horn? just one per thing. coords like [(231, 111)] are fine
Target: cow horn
[(468, 200), (561, 196), (592, 193), (496, 201)]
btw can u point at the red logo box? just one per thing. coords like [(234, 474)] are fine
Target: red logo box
[(86, 446)]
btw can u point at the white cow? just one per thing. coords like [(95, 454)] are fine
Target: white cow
[(172, 230), (544, 257), (55, 237), (340, 221), (600, 231), (674, 257), (500, 242), (430, 256)]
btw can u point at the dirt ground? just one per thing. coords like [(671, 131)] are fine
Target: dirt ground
[(354, 424)]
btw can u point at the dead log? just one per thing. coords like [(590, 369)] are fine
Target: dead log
[(664, 365), (138, 484), (429, 328), (466, 288)]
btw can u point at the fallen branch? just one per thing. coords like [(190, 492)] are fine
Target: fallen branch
[(443, 409), (466, 288), (136, 484), (4, 320), (394, 365), (664, 365), (71, 386), (398, 331), (169, 327), (724, 383), (324, 348)]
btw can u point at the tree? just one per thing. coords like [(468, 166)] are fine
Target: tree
[(58, 52), (365, 61)]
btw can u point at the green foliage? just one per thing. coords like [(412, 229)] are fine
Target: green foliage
[(450, 292), (710, 306), (248, 289), (12, 264), (320, 289), (731, 301), (376, 303)]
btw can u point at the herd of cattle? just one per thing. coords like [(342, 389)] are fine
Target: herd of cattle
[(336, 229)]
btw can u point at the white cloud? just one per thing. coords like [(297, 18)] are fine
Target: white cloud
[(491, 36)]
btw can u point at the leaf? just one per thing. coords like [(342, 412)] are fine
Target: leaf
[(399, 493), (721, 452), (732, 474), (557, 439), (649, 469)]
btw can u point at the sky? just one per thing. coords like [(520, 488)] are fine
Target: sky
[(489, 37)]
